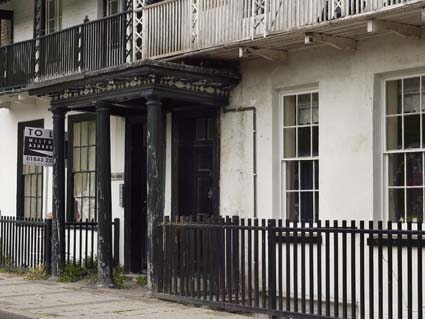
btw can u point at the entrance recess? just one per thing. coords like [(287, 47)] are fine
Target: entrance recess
[(135, 203), (196, 165)]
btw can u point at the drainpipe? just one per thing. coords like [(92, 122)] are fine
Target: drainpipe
[(254, 143)]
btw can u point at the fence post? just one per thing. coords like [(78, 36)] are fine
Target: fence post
[(116, 241), (48, 245), (271, 231)]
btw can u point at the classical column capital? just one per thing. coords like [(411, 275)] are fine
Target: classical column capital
[(153, 100), (58, 112), (102, 106)]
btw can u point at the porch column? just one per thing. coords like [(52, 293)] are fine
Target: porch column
[(58, 212), (155, 202), (103, 182)]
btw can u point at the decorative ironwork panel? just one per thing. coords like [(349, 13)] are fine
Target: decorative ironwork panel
[(138, 6)]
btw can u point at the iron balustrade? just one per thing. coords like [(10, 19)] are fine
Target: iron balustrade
[(104, 43), (165, 29), (58, 54), (25, 243), (300, 270)]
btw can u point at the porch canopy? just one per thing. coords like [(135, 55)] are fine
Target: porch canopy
[(142, 87)]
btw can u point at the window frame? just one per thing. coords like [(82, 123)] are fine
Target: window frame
[(402, 151), (107, 3), (284, 160), (58, 16), (73, 119), (20, 185)]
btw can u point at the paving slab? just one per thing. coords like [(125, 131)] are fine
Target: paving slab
[(25, 299)]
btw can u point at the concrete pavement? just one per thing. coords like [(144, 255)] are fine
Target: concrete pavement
[(22, 299)]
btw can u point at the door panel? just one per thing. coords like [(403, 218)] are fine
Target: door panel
[(197, 180)]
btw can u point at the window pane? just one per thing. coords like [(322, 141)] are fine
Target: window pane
[(304, 109), (76, 160), (92, 158), (84, 133), (85, 208), (39, 185), (394, 97), (92, 209), (411, 93), (92, 184), (86, 186), (307, 206), (289, 111), (77, 209), (27, 207), (33, 207), (414, 204), (394, 133), (304, 141), (396, 204), (316, 203), (414, 169), (93, 133), (316, 174), (315, 106), (27, 185), (78, 190), (289, 142), (292, 175), (396, 169), (292, 206), (315, 141), (76, 133), (34, 185), (39, 212), (307, 175), (84, 163), (412, 131)]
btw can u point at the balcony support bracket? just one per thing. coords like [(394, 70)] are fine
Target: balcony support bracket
[(405, 30), (271, 55), (336, 42)]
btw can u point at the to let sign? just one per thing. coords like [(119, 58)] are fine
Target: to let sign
[(38, 146)]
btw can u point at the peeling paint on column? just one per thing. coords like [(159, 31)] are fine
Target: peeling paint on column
[(154, 189), (104, 209), (58, 213)]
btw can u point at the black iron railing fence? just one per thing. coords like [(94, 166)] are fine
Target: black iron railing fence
[(340, 269), (25, 243), (81, 241)]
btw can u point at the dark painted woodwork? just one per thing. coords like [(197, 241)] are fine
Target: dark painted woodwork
[(155, 199), (135, 224), (58, 212), (103, 191), (196, 163), (19, 162)]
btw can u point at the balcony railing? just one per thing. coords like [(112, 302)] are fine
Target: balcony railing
[(165, 29)]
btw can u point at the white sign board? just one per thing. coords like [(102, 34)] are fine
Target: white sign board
[(38, 146)]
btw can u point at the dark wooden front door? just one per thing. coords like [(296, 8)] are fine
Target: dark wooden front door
[(197, 167), (135, 186)]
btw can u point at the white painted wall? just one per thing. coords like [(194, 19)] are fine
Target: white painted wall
[(349, 142), (9, 119), (73, 13), (23, 16)]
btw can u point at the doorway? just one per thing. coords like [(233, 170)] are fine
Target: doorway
[(196, 164), (135, 195)]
